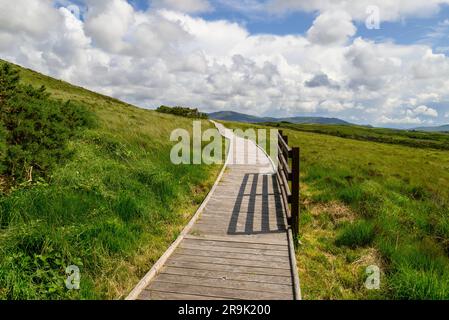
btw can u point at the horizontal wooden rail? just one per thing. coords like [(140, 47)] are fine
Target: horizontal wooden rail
[(289, 176)]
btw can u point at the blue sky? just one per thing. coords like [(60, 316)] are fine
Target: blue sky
[(408, 30), (261, 57)]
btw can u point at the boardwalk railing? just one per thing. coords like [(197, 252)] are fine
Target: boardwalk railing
[(288, 176)]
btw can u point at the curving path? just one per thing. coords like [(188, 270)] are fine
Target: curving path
[(238, 244)]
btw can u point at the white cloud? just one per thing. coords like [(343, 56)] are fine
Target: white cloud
[(423, 110), (334, 106), (33, 18), (187, 6), (332, 27), (168, 57), (108, 22)]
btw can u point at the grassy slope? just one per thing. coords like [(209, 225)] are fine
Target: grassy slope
[(112, 210), (366, 203)]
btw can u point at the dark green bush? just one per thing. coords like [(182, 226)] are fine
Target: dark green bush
[(183, 112), (35, 129)]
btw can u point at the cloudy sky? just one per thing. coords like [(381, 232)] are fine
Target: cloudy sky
[(262, 57)]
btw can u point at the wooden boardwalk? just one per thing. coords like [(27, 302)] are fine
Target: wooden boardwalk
[(239, 247)]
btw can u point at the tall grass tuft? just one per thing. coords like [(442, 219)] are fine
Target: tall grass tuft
[(358, 234)]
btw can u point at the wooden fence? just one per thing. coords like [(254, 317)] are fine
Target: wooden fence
[(288, 176)]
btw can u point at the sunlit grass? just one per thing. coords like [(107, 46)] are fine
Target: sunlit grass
[(368, 203), (112, 210)]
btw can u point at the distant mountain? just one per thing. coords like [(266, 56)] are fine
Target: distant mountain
[(238, 117), (241, 117), (444, 128)]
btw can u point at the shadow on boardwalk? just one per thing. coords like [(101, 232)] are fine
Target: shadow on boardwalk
[(252, 197)]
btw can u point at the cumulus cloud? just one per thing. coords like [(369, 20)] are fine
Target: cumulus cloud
[(331, 27), (423, 110), (168, 56), (321, 80), (107, 22), (32, 18)]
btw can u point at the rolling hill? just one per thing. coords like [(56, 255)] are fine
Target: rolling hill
[(112, 208), (444, 128), (241, 117), (417, 139)]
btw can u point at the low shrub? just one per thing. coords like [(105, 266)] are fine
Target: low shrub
[(35, 129), (183, 112)]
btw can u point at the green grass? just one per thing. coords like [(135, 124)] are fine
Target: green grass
[(359, 234), (368, 203), (411, 138), (113, 209)]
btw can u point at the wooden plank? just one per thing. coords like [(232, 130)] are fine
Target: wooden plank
[(230, 275), (244, 207), (223, 267), (240, 231), (226, 218), (274, 236), (216, 292), (270, 224), (257, 201), (241, 224), (157, 295), (231, 188), (226, 197), (229, 212), (219, 220), (265, 252), (232, 255), (229, 242), (226, 283), (237, 242), (272, 265), (258, 213)]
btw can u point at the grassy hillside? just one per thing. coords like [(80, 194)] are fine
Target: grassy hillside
[(444, 128), (368, 203), (415, 139), (112, 209)]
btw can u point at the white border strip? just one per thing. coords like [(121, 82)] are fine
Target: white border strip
[(145, 281)]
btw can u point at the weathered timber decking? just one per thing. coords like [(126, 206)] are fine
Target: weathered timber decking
[(239, 248)]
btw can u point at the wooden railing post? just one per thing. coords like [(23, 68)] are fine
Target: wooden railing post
[(295, 191), (289, 173)]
